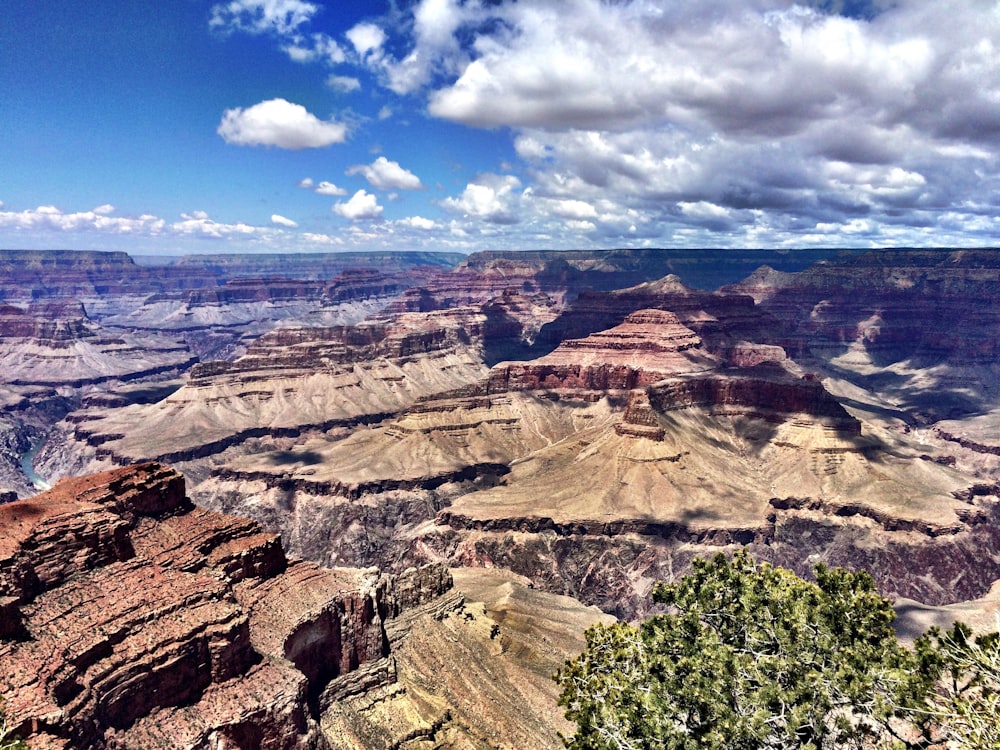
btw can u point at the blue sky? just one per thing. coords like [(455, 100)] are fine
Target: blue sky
[(301, 125)]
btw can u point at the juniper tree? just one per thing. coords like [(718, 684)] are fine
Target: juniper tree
[(8, 740), (749, 656)]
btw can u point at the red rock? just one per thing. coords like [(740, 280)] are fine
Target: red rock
[(131, 619)]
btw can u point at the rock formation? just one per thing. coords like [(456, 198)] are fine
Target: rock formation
[(129, 618), (56, 344), (919, 328), (292, 381), (524, 411), (134, 619), (615, 458)]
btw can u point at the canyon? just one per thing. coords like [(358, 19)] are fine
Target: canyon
[(526, 439)]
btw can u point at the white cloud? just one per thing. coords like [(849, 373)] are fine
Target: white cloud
[(104, 209), (50, 218), (198, 223), (280, 123), (385, 112), (343, 84), (314, 47), (281, 221), (328, 188), (571, 209), (262, 16), (418, 222), (387, 175), (490, 197), (362, 205), (367, 39), (306, 182)]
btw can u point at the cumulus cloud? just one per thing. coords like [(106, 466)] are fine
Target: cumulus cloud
[(386, 175), (328, 188), (306, 182), (279, 123), (314, 47), (418, 222), (283, 19), (489, 197), (281, 221), (362, 205), (717, 122), (53, 219), (763, 118), (367, 39)]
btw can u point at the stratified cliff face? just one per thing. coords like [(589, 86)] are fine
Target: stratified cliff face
[(921, 329), (290, 382), (132, 619), (615, 458), (56, 344), (518, 413), (61, 274)]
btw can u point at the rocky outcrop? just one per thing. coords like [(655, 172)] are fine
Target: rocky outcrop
[(765, 391), (132, 619), (61, 274), (55, 344), (50, 322), (649, 345), (315, 266), (292, 381)]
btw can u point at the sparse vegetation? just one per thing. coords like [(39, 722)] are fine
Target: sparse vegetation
[(8, 741), (752, 656)]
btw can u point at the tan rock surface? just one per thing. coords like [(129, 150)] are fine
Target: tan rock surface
[(292, 380), (479, 676)]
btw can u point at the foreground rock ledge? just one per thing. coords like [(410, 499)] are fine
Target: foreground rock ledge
[(129, 618)]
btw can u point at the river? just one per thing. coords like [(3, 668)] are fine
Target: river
[(28, 467)]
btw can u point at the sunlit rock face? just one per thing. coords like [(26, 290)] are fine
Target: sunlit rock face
[(921, 329), (615, 457)]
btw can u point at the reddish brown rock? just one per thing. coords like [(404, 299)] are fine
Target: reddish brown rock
[(133, 620), (647, 346)]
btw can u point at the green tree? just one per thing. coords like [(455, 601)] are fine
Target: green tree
[(749, 656), (966, 704)]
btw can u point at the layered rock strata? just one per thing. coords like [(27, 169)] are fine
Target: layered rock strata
[(59, 274), (56, 344), (291, 381), (919, 328), (616, 458), (132, 619)]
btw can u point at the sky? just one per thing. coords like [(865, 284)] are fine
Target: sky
[(252, 126)]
